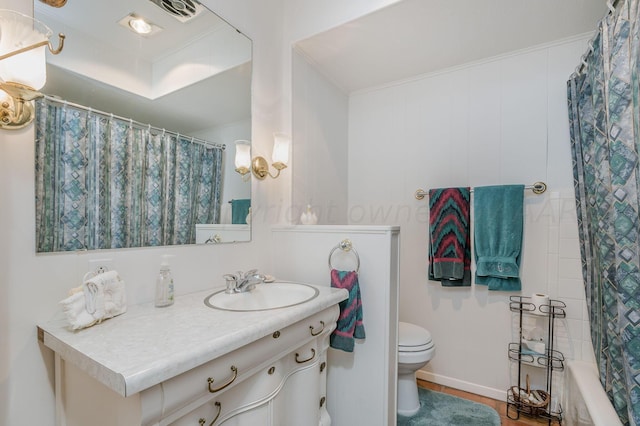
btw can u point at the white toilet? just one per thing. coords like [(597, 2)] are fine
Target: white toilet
[(415, 349)]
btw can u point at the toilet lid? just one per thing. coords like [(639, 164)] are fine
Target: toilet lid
[(412, 338)]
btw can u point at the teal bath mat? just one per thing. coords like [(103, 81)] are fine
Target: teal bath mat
[(439, 409)]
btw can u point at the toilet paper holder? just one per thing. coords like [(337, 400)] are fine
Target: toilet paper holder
[(555, 308), (541, 303)]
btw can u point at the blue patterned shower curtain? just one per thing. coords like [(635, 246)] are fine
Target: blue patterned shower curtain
[(104, 182), (605, 126)]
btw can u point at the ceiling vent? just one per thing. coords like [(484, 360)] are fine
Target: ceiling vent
[(182, 10)]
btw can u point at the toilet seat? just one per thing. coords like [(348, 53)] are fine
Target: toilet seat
[(412, 338)]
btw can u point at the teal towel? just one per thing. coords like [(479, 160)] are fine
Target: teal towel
[(240, 210), (499, 212)]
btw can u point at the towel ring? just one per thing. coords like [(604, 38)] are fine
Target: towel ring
[(346, 246)]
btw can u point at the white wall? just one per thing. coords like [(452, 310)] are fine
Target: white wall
[(319, 115), (320, 127), (367, 376), (500, 121)]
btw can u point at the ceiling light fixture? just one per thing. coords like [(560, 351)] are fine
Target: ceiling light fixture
[(139, 25)]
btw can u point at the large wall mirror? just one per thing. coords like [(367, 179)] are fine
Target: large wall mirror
[(135, 135)]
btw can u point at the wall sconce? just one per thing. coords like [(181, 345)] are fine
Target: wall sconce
[(258, 165), (54, 3), (22, 66), (243, 158)]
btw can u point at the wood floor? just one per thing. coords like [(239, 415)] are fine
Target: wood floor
[(499, 406)]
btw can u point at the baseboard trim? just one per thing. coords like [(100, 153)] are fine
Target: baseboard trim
[(499, 394)]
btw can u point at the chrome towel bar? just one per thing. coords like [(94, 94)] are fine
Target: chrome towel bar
[(537, 188)]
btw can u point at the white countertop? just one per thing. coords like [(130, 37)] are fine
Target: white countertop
[(148, 345)]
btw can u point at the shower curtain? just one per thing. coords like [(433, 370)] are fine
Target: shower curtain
[(605, 126), (105, 182)]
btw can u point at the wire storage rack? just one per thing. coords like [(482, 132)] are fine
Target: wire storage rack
[(520, 397)]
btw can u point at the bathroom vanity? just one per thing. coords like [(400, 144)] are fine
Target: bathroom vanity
[(191, 364), (222, 233)]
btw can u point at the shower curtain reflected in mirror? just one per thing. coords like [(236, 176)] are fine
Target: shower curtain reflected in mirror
[(104, 182), (605, 127)]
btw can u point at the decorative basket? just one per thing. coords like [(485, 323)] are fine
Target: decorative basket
[(530, 401)]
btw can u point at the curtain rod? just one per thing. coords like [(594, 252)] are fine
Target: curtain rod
[(133, 122), (537, 188), (611, 5)]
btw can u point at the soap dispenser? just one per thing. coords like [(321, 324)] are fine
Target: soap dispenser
[(164, 284)]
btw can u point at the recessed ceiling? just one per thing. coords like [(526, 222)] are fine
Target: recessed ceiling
[(101, 76), (192, 109), (414, 37), (98, 19)]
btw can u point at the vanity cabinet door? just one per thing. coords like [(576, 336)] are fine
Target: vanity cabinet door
[(297, 404), (208, 415), (302, 401), (286, 393), (245, 404), (325, 419)]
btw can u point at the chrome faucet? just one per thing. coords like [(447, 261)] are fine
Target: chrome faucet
[(214, 239), (243, 281)]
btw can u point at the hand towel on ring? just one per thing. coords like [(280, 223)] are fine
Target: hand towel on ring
[(350, 323)]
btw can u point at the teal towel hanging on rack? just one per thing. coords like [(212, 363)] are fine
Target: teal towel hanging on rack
[(498, 221), (240, 210)]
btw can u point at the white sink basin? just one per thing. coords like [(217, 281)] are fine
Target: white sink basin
[(263, 297)]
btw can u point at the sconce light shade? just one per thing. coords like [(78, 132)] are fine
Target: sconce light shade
[(28, 67), (259, 165), (23, 66), (243, 157), (280, 155)]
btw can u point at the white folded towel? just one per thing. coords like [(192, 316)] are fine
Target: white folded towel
[(115, 297), (100, 297), (74, 309)]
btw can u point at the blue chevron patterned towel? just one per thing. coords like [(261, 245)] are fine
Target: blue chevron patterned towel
[(449, 239)]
